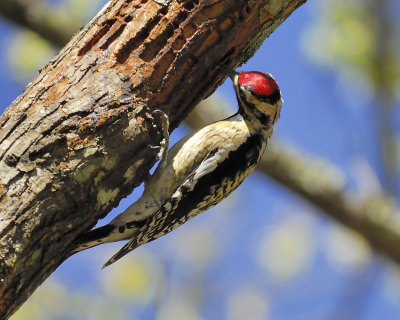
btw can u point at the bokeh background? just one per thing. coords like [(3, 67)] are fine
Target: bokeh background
[(265, 252)]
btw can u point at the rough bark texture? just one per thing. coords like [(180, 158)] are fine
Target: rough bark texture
[(81, 136), (291, 170)]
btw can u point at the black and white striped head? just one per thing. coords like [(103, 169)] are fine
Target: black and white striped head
[(259, 100)]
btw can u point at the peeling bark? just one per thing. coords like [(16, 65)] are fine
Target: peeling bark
[(82, 136)]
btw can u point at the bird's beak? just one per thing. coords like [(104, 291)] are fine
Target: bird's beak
[(228, 71)]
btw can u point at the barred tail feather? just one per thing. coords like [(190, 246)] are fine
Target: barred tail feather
[(131, 245), (93, 238)]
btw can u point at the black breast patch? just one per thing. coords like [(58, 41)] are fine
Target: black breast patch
[(209, 190)]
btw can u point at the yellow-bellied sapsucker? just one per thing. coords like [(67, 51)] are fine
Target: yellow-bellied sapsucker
[(200, 170)]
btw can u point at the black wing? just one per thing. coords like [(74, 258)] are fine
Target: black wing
[(213, 180)]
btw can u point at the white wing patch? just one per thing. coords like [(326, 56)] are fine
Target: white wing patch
[(211, 163)]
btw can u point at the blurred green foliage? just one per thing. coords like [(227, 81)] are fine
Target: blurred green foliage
[(27, 51), (348, 37)]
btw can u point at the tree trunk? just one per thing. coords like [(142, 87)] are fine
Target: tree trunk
[(82, 135)]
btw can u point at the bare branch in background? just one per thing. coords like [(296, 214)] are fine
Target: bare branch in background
[(372, 218), (82, 136), (319, 183), (39, 17)]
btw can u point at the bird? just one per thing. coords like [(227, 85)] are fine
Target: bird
[(200, 170)]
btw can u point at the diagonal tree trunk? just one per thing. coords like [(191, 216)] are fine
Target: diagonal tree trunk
[(82, 135), (293, 170)]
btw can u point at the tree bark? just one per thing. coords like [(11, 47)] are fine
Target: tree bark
[(374, 217), (82, 135)]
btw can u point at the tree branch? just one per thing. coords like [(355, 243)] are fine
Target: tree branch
[(40, 18), (81, 136), (291, 170)]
